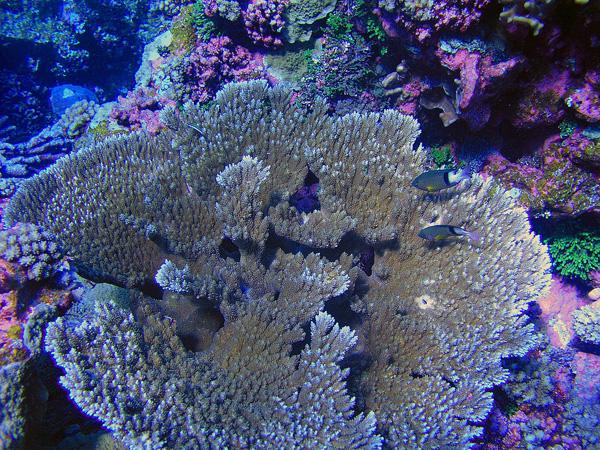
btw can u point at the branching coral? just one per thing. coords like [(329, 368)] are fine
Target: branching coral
[(244, 394), (264, 21), (586, 322), (424, 17), (31, 248), (575, 255), (213, 193)]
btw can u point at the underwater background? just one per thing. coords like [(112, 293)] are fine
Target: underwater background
[(300, 224)]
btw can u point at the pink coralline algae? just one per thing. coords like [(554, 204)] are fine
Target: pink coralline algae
[(216, 62), (264, 21), (408, 101), (479, 72), (554, 181), (556, 308), (585, 100), (140, 109), (423, 21), (17, 300), (543, 100)]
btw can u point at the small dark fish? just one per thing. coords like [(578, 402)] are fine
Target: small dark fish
[(436, 180), (441, 232)]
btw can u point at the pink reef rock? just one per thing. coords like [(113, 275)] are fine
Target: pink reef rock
[(18, 297), (479, 73), (423, 20), (587, 369), (410, 92), (216, 62), (557, 180), (140, 109), (543, 101), (264, 21), (557, 307), (585, 100)]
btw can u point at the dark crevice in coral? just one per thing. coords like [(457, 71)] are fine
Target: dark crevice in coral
[(366, 259), (227, 249), (197, 320), (449, 381), (358, 363), (506, 404), (339, 308), (585, 347), (306, 198), (51, 411), (298, 346)]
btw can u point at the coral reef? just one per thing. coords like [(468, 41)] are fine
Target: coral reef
[(64, 26), (76, 118), (424, 18), (341, 69), (32, 248), (264, 21), (140, 109), (557, 181), (586, 322), (300, 15), (213, 192), (198, 74), (575, 256), (480, 68)]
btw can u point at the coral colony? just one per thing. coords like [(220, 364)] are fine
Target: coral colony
[(270, 224)]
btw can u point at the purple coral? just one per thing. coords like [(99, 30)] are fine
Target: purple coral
[(216, 62), (264, 21), (543, 102), (585, 100), (479, 74), (423, 21), (140, 109)]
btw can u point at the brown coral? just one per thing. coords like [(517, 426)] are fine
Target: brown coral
[(211, 197)]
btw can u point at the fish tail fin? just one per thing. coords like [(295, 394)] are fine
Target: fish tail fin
[(466, 172), (474, 236)]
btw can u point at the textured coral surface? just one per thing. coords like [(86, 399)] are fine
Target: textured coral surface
[(212, 196)]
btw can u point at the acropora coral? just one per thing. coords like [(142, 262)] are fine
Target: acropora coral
[(212, 195), (575, 255), (586, 322), (32, 248)]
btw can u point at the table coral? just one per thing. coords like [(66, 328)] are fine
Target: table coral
[(212, 192)]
